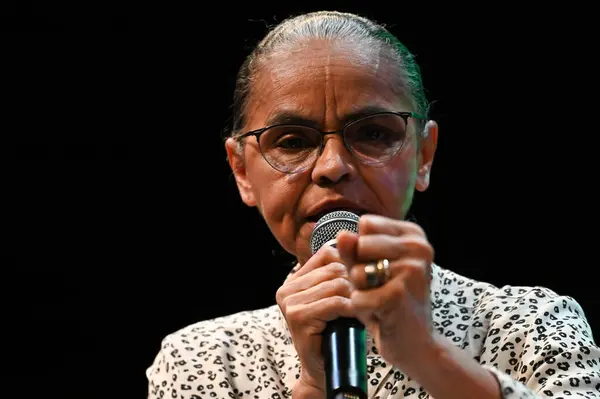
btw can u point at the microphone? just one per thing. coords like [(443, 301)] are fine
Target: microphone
[(344, 339)]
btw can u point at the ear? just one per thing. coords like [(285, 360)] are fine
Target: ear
[(235, 157), (426, 153)]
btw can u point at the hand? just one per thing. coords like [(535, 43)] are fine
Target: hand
[(317, 293), (397, 314)]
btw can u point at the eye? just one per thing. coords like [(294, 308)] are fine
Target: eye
[(292, 142), (373, 133), (291, 138)]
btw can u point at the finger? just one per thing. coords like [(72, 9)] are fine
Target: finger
[(324, 256), (330, 288), (374, 304), (346, 246), (325, 310), (379, 246), (414, 271), (416, 277), (368, 305), (328, 272), (376, 224)]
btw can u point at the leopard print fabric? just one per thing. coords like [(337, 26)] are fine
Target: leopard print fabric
[(538, 344)]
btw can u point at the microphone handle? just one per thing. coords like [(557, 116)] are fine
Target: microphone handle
[(345, 357)]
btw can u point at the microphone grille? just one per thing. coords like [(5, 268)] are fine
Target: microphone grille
[(329, 225)]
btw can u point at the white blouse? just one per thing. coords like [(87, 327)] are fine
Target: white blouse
[(537, 343)]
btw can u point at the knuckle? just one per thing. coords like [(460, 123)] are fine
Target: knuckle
[(420, 244), (294, 315), (398, 291), (363, 224), (416, 269), (326, 288), (327, 252), (418, 230), (285, 305), (339, 303), (367, 224), (375, 303), (414, 241), (342, 286), (428, 252), (280, 295), (335, 270)]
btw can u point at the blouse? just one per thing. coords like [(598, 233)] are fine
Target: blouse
[(537, 344)]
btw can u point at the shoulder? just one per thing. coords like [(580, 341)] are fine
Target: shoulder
[(231, 333), (534, 309), (245, 352), (451, 288), (489, 312), (531, 337), (213, 356), (540, 338), (249, 322), (531, 318)]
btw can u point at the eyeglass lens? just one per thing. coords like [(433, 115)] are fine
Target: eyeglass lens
[(372, 139)]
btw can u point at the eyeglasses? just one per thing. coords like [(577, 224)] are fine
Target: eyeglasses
[(373, 139)]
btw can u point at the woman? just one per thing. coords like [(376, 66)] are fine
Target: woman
[(431, 332)]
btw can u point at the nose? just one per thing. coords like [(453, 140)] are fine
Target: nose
[(335, 163)]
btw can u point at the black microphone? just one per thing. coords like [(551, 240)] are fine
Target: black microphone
[(344, 339)]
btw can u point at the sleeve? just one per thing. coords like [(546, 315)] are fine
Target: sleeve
[(541, 351)]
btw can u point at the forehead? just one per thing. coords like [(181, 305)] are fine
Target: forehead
[(320, 80)]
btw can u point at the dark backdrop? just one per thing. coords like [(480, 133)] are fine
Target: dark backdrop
[(123, 223)]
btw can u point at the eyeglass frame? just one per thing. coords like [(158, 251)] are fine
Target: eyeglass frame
[(258, 132)]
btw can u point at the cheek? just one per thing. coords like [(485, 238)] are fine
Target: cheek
[(275, 199), (276, 194), (395, 185)]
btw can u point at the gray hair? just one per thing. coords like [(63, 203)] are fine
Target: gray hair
[(328, 25)]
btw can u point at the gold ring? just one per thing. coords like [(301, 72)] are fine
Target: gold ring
[(377, 273)]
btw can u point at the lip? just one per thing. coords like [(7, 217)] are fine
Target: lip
[(330, 205)]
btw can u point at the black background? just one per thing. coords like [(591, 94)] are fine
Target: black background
[(119, 197)]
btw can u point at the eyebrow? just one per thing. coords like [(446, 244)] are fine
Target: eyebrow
[(292, 118)]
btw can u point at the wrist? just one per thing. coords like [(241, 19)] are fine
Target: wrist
[(425, 363), (307, 388), (445, 371)]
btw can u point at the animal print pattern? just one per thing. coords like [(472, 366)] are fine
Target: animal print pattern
[(537, 343)]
